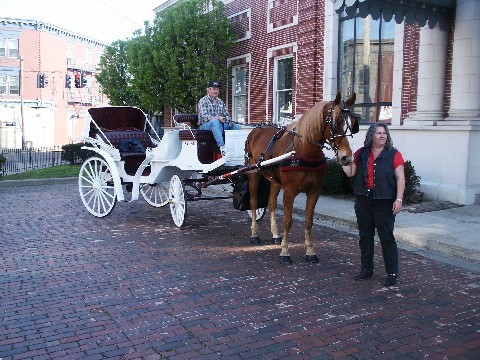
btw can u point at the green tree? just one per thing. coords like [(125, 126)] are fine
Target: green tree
[(114, 77), (147, 79), (195, 38), (170, 64)]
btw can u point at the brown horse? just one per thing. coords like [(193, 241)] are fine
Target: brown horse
[(327, 123)]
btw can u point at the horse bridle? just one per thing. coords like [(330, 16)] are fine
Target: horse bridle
[(348, 131)]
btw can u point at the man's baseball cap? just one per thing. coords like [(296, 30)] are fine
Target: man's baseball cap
[(214, 83)]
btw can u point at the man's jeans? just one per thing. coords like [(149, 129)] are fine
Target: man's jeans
[(217, 128), (377, 214)]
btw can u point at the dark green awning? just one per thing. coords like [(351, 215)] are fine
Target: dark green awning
[(431, 12)]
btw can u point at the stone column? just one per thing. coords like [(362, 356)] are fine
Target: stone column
[(432, 62), (465, 101)]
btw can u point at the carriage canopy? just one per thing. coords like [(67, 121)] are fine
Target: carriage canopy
[(116, 118)]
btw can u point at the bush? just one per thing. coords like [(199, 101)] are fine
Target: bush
[(3, 160), (335, 180), (74, 154), (412, 181)]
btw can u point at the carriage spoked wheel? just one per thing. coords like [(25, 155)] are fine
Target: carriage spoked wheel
[(155, 194), (259, 213), (95, 184), (178, 202)]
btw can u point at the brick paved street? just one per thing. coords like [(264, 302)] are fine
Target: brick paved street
[(133, 286)]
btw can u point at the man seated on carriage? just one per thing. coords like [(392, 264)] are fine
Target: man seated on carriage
[(213, 115)]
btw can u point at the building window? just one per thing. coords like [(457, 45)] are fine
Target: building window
[(69, 53), (9, 85), (9, 48), (239, 93), (283, 72), (366, 66), (88, 59)]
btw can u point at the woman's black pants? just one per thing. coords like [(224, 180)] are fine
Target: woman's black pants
[(376, 214)]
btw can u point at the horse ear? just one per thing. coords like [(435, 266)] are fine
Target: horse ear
[(355, 127), (338, 98), (351, 101)]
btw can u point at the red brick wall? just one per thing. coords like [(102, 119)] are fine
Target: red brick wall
[(308, 34), (310, 54), (410, 70)]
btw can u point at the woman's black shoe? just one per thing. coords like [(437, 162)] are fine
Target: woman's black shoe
[(364, 274), (391, 280)]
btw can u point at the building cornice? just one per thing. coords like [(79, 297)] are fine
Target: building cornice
[(29, 24)]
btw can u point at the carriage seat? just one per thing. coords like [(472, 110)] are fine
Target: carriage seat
[(191, 119), (207, 148), (132, 160)]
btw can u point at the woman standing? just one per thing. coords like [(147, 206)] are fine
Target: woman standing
[(379, 188)]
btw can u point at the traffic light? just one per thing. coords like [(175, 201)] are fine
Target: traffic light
[(83, 79), (41, 80), (68, 81), (77, 80)]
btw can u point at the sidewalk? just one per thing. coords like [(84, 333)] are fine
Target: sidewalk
[(453, 232)]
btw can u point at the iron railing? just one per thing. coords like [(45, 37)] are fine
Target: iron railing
[(20, 160)]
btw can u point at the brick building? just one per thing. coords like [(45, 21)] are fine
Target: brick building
[(32, 52), (415, 66)]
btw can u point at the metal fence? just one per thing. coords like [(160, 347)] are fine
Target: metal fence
[(20, 160)]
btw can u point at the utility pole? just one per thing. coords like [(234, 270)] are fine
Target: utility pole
[(21, 102)]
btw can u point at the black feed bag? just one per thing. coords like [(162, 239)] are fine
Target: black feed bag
[(241, 194)]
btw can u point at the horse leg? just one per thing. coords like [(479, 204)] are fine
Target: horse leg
[(272, 207), (312, 198), (288, 197), (253, 180)]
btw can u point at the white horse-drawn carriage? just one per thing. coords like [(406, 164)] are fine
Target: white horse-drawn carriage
[(170, 171)]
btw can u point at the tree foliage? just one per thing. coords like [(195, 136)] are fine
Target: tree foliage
[(114, 77), (170, 64)]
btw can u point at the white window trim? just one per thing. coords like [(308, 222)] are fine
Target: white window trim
[(234, 113), (275, 118), (270, 52), (7, 39), (270, 27), (249, 15), (248, 61), (7, 85)]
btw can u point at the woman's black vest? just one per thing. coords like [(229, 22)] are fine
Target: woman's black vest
[(384, 180)]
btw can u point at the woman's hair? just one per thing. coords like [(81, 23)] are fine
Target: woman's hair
[(372, 129)]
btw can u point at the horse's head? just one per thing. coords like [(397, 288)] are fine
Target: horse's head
[(339, 125)]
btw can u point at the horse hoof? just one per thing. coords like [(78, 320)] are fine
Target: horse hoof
[(255, 240), (311, 259), (285, 259), (277, 240)]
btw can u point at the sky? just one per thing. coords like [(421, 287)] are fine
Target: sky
[(104, 20)]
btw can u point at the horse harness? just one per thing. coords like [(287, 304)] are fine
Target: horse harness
[(305, 163)]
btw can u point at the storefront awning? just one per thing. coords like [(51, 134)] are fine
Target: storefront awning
[(426, 12)]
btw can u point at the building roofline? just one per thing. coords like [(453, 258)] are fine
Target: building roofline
[(31, 24)]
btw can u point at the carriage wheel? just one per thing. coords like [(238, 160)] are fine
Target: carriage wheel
[(155, 194), (259, 213), (178, 203), (95, 183)]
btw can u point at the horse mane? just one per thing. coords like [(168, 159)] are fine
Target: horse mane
[(310, 126)]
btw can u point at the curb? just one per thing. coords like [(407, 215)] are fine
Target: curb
[(36, 182)]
